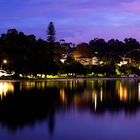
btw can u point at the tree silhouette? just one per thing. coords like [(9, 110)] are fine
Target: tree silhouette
[(51, 32), (27, 55)]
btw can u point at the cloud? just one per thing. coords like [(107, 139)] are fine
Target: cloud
[(133, 6), (74, 19), (106, 33)]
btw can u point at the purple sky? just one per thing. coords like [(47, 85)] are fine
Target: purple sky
[(74, 20)]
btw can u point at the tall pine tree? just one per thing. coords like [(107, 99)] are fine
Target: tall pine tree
[(51, 33), (51, 66)]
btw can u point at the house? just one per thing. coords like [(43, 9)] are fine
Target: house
[(124, 61), (85, 58)]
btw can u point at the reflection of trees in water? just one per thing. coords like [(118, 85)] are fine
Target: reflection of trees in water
[(113, 96), (25, 108), (110, 95), (37, 101)]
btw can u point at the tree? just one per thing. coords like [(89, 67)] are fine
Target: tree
[(98, 47), (131, 44), (53, 51), (51, 33), (83, 50), (115, 52), (74, 68)]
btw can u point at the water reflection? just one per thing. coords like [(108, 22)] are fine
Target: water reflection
[(26, 103), (139, 92), (122, 92), (6, 88)]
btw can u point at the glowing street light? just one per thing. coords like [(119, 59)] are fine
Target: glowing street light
[(3, 62)]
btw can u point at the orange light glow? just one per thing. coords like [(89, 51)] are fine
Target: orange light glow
[(62, 95), (6, 88), (122, 93)]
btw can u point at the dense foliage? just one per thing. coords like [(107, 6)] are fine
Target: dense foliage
[(27, 55)]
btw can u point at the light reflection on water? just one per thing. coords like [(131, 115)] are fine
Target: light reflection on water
[(139, 92), (32, 103), (6, 88), (94, 91)]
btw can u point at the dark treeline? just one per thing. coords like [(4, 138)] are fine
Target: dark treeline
[(27, 55)]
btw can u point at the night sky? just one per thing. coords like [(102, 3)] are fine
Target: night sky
[(74, 20)]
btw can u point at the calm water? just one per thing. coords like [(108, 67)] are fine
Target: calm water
[(70, 110)]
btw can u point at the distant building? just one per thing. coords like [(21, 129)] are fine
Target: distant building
[(85, 58), (64, 57), (124, 61)]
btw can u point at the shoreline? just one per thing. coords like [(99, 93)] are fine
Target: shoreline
[(72, 79)]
